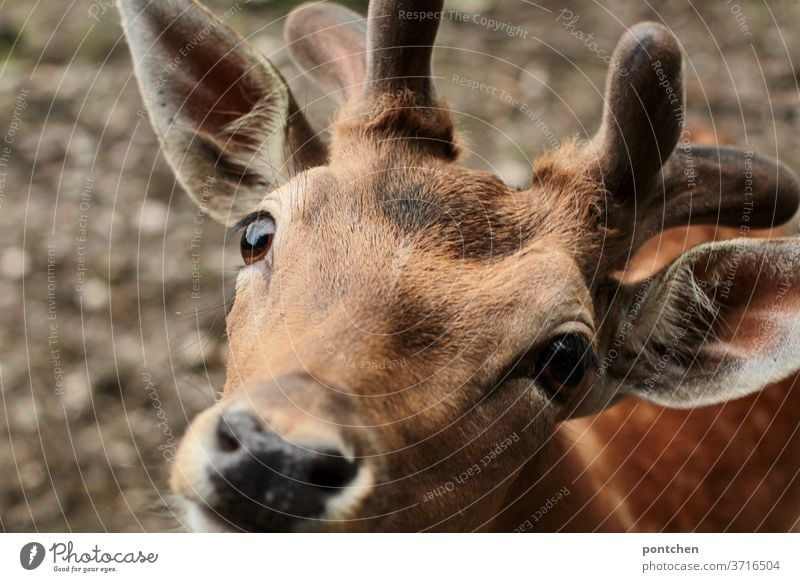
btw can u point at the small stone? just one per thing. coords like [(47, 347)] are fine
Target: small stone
[(94, 294), (77, 392), (15, 263), (31, 475), (154, 217)]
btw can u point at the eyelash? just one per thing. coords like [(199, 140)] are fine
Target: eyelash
[(246, 221)]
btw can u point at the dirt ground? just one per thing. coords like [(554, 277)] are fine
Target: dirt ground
[(107, 353)]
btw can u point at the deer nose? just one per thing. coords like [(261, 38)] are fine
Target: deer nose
[(263, 482)]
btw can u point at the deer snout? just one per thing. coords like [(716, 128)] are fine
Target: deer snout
[(256, 463), (262, 481)]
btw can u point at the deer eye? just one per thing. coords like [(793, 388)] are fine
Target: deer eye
[(564, 363), (257, 239)]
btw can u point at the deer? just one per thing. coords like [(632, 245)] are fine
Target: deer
[(415, 345)]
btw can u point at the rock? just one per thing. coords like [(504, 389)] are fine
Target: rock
[(15, 263)]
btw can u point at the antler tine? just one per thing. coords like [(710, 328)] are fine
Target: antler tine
[(400, 38)]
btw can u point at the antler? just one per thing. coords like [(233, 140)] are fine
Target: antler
[(400, 38), (652, 184), (644, 109), (382, 70)]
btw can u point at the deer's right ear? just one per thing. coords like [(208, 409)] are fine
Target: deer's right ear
[(329, 43), (228, 124)]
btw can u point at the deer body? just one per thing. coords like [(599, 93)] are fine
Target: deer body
[(640, 467), (414, 345)]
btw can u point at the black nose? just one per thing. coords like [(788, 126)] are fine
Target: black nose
[(262, 482)]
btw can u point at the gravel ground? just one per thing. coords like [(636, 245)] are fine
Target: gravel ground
[(106, 355)]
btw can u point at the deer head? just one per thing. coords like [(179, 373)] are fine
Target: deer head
[(401, 318)]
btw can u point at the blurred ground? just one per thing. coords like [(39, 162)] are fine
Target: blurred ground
[(105, 354)]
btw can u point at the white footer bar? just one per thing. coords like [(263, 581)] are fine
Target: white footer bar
[(400, 557)]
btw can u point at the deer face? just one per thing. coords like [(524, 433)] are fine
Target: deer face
[(407, 332), (407, 327)]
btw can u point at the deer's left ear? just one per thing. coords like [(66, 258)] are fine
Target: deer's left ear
[(721, 322)]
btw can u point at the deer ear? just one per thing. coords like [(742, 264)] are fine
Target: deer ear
[(227, 121), (329, 43), (721, 322)]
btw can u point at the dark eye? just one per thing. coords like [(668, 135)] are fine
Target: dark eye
[(564, 364), (257, 239)]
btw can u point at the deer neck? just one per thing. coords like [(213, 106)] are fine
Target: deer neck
[(560, 490)]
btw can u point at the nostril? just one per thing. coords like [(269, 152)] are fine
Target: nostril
[(226, 440), (234, 428), (330, 470)]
